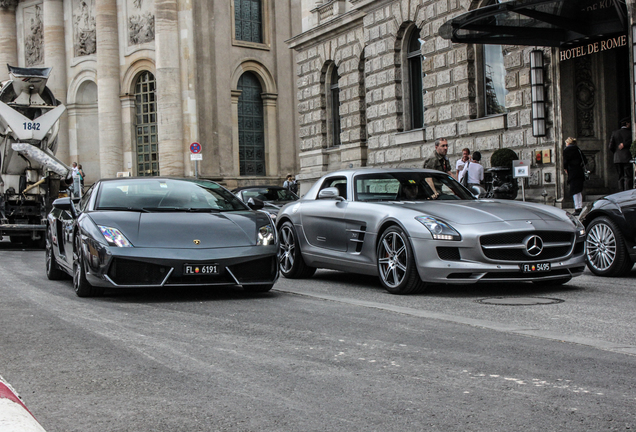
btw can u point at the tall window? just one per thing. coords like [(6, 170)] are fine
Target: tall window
[(146, 126), (334, 107), (251, 126), (248, 20), (416, 96), (494, 80)]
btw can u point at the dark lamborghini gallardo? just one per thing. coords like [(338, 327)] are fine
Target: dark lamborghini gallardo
[(160, 232)]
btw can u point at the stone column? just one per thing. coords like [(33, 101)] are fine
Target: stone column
[(169, 106), (55, 58), (236, 94), (108, 90), (8, 37), (271, 134)]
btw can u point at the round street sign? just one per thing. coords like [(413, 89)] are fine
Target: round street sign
[(195, 148)]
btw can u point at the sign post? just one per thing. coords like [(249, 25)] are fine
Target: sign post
[(196, 156), (521, 169)]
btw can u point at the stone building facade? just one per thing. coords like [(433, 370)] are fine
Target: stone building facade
[(367, 43), (143, 79)]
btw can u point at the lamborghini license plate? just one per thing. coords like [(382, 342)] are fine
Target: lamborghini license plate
[(206, 269)]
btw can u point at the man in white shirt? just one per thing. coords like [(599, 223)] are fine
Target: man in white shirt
[(474, 170), (459, 166)]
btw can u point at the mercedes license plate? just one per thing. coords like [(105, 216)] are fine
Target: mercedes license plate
[(536, 268), (205, 269)]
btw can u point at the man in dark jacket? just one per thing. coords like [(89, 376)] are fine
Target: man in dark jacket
[(620, 143), (439, 161)]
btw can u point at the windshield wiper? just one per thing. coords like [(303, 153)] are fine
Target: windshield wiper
[(135, 209), (181, 209)]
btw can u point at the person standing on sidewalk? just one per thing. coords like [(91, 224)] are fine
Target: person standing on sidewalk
[(461, 163), (573, 164), (439, 161), (620, 142), (474, 170)]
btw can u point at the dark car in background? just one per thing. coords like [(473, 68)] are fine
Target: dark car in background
[(273, 197), (611, 234), (160, 232)]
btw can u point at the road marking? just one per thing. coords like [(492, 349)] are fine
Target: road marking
[(491, 325)]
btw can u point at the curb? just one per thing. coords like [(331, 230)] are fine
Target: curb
[(14, 415)]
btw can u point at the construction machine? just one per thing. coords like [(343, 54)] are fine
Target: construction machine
[(31, 177)]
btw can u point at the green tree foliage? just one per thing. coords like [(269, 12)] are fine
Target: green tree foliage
[(503, 158)]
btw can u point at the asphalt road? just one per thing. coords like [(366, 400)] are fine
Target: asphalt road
[(332, 353)]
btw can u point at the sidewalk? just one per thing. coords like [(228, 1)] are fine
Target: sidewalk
[(14, 415)]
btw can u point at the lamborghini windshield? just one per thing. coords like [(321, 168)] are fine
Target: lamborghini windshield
[(166, 195)]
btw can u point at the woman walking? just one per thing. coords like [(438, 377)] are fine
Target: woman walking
[(574, 163)]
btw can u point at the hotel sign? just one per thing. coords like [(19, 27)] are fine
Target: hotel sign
[(593, 47)]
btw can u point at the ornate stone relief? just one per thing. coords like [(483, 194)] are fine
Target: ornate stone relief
[(85, 34), (141, 22), (33, 35), (585, 97), (6, 4)]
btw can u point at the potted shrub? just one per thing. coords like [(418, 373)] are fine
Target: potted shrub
[(504, 186)]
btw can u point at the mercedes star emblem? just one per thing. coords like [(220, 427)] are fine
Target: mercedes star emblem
[(534, 245)]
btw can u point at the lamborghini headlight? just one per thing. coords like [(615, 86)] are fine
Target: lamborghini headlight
[(266, 235), (439, 230), (114, 237)]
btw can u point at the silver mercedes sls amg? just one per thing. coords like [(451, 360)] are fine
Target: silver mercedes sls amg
[(414, 226)]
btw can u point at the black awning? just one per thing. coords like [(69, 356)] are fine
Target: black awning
[(538, 22)]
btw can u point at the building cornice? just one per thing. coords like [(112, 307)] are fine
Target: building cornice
[(340, 24)]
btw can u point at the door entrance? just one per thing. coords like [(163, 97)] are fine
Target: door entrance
[(595, 96)]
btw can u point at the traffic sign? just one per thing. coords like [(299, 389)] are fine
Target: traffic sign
[(195, 148), (196, 156)]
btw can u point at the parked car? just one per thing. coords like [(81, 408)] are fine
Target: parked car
[(414, 226), (611, 234), (273, 197), (159, 232)]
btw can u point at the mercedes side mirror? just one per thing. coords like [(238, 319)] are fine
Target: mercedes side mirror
[(478, 191), (330, 193)]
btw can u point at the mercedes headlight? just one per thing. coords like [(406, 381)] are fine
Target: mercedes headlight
[(114, 237), (577, 223), (266, 235), (439, 230)]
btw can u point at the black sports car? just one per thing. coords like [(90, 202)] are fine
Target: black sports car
[(273, 197), (155, 232), (611, 234)]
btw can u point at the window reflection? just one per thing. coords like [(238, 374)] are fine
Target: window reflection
[(494, 80)]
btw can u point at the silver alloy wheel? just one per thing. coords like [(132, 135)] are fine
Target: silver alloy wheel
[(286, 249), (392, 259), (601, 247)]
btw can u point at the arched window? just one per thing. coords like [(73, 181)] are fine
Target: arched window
[(146, 125), (415, 90), (334, 108), (494, 84), (251, 126), (248, 20)]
